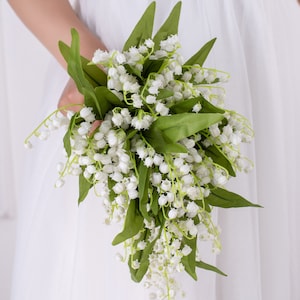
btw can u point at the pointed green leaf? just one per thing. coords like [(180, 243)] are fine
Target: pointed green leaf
[(84, 187), (75, 69), (154, 203), (112, 194), (143, 29), (189, 261), (219, 158), (200, 57), (203, 120), (164, 93), (169, 27), (187, 106), (143, 257), (176, 127), (203, 265), (94, 74), (144, 174), (68, 134), (222, 198), (161, 143), (132, 225)]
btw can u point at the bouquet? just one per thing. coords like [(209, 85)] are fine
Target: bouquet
[(164, 150)]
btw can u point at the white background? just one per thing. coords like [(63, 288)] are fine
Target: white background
[(17, 48)]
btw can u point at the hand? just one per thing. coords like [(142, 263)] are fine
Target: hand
[(72, 99)]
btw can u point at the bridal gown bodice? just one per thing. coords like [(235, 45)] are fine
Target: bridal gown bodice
[(64, 251)]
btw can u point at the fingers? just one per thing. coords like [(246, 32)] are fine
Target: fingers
[(71, 98)]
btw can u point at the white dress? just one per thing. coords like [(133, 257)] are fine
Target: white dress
[(64, 251)]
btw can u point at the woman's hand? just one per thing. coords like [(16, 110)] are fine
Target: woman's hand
[(72, 99)]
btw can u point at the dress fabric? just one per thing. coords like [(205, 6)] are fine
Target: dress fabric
[(64, 251)]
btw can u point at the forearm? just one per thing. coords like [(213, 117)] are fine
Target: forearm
[(51, 21)]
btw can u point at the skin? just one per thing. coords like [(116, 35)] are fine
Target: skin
[(51, 21)]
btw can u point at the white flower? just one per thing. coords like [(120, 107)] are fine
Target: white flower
[(149, 43), (91, 169), (162, 200), (28, 145), (172, 213), (118, 188), (166, 185), (164, 168), (150, 99), (161, 109), (193, 192), (117, 119), (157, 159), (185, 169), (120, 199), (100, 56), (141, 245), (120, 58), (156, 178), (59, 183), (186, 250), (170, 44), (197, 107), (186, 76), (85, 112), (219, 178), (84, 160), (148, 162), (187, 179), (136, 101), (100, 176), (192, 209)]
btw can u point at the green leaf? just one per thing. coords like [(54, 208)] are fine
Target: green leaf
[(200, 57), (143, 257), (189, 261), (203, 120), (219, 158), (93, 73), (203, 265), (68, 134), (161, 143), (222, 198), (154, 203), (187, 106), (132, 225), (75, 69), (179, 126), (207, 107), (143, 29), (164, 93), (144, 174), (112, 194), (84, 187), (169, 27)]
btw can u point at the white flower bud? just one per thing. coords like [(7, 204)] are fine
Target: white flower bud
[(186, 250), (172, 213), (59, 183)]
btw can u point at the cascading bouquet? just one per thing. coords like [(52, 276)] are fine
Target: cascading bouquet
[(163, 152)]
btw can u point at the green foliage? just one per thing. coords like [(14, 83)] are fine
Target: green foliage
[(200, 57), (84, 187), (143, 29), (133, 223), (226, 199)]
